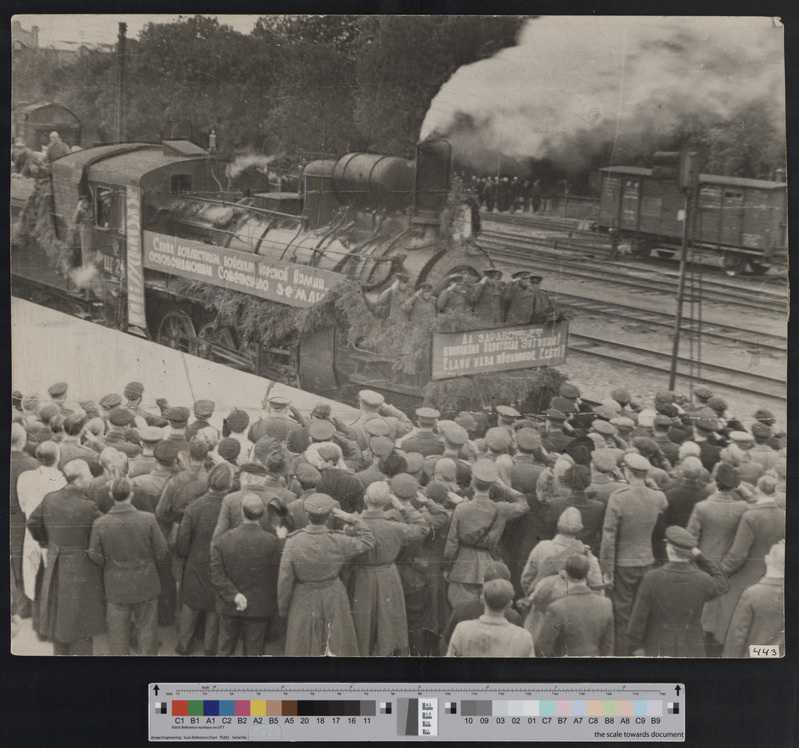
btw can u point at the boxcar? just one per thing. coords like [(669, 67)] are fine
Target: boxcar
[(745, 220)]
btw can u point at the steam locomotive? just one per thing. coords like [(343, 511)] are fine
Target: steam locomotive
[(157, 233)]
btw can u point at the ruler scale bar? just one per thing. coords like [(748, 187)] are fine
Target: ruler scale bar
[(530, 712)]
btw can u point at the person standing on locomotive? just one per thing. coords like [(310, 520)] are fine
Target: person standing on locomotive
[(455, 297), (420, 308), (395, 297), (486, 295), (527, 303)]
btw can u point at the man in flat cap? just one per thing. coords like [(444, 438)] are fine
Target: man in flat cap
[(604, 475), (665, 620), (119, 434), (58, 395), (244, 564), (134, 392), (203, 410), (129, 547), (310, 593), (198, 600), (625, 553), (762, 452), (308, 478), (423, 438), (108, 402), (455, 297), (486, 297), (178, 419), (475, 531)]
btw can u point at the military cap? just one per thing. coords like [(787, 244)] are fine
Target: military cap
[(719, 404), (321, 431), (558, 416), (381, 446), (703, 393), (635, 461), (570, 521), (329, 452), (603, 427), (569, 391), (764, 415), (426, 286), (741, 436), (166, 451), (623, 424), (454, 434), (404, 486), (428, 413), (229, 448), (321, 410), (466, 421), (536, 278), (177, 416), (563, 404), (485, 471), (204, 408), (377, 427), (48, 412), (661, 420), (761, 430), (59, 389), (121, 417), (414, 461), (109, 402), (254, 468), (319, 504), (307, 474), (604, 460), (455, 276), (151, 434), (371, 398), (521, 274), (497, 438), (133, 390), (620, 395), (89, 407), (279, 402), (679, 537), (506, 411), (528, 439), (494, 272)]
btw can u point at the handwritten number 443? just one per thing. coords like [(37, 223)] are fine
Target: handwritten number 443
[(756, 650)]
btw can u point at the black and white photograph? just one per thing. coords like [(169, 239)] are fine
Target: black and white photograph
[(398, 336)]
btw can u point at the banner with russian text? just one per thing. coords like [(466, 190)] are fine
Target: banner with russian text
[(498, 349), (284, 282), (135, 275)]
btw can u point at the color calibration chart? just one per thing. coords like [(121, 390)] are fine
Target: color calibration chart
[(596, 712)]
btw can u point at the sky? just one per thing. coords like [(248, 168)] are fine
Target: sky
[(103, 29)]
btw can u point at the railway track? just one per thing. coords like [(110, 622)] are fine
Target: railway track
[(715, 375), (523, 252)]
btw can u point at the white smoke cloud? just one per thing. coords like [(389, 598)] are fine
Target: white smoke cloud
[(573, 83), (245, 161)]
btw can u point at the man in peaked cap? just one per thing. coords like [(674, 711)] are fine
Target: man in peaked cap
[(625, 553), (145, 462), (108, 402), (374, 405), (281, 413), (475, 531), (604, 481), (486, 297), (455, 437), (58, 393), (391, 301), (526, 302), (310, 593), (455, 297), (421, 307), (506, 417), (423, 438), (762, 452), (203, 410), (555, 439), (665, 620), (134, 392)]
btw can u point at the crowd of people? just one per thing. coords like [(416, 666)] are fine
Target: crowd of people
[(612, 529), (503, 194)]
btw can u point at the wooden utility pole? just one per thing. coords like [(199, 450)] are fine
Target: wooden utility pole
[(119, 114)]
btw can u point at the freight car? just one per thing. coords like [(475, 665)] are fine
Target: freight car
[(144, 240), (745, 220)]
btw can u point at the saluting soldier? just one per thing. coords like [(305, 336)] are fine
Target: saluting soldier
[(395, 297), (527, 303), (486, 296), (423, 439), (420, 308), (203, 410), (455, 297), (309, 590)]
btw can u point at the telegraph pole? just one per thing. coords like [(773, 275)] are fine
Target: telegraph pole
[(119, 129)]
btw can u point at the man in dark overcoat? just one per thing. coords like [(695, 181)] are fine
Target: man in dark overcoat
[(198, 600), (244, 566), (128, 545), (665, 621), (21, 462), (72, 605)]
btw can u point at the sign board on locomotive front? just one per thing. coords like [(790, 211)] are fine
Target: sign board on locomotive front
[(499, 349)]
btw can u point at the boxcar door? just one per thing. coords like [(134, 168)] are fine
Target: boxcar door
[(732, 209), (630, 203)]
